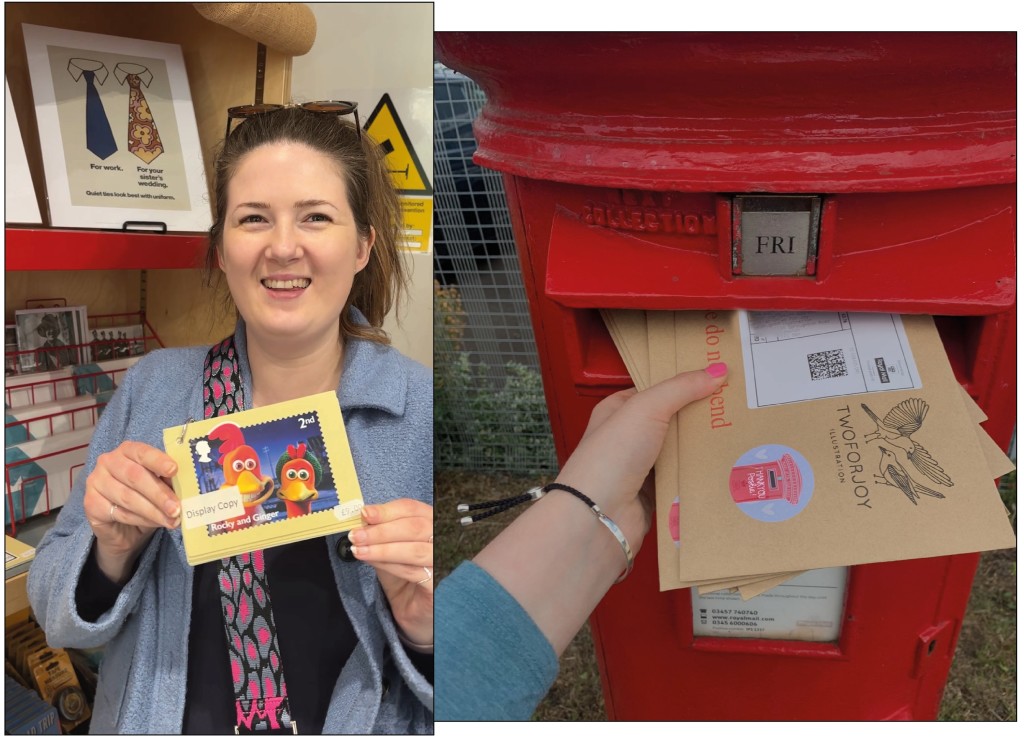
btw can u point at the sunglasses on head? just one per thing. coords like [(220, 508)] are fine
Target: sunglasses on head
[(326, 107)]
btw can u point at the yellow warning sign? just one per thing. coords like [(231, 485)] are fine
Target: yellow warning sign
[(386, 127), (417, 218)]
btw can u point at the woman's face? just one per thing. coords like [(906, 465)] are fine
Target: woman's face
[(290, 250)]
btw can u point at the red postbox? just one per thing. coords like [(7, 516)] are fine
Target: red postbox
[(632, 164)]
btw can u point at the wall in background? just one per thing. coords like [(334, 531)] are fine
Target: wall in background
[(363, 50)]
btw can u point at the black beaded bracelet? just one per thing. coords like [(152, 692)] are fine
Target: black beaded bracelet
[(491, 508)]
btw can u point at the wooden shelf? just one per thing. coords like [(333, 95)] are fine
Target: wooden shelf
[(16, 598), (67, 249)]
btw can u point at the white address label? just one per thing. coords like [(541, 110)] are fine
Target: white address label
[(794, 356), (807, 608)]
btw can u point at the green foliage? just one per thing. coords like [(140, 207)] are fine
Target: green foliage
[(479, 422), (514, 433)]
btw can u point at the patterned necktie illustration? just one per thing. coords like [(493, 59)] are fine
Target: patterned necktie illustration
[(261, 694), (143, 138), (98, 137)]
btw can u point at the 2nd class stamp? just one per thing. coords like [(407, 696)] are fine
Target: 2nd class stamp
[(261, 473)]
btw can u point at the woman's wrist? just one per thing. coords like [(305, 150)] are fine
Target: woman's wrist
[(555, 546), (602, 549), (414, 646), (117, 567), (613, 528), (626, 512)]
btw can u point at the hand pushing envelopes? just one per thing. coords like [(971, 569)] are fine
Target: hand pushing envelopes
[(862, 476)]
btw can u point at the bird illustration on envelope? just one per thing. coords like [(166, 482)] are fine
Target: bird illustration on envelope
[(894, 435)]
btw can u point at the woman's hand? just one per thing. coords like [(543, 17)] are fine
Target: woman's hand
[(127, 498), (557, 559), (622, 441), (397, 540)]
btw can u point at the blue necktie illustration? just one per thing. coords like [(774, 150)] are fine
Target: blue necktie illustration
[(98, 137)]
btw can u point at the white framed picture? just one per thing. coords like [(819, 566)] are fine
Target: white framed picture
[(117, 130)]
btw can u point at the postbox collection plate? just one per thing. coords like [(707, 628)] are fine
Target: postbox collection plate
[(775, 235), (807, 608)]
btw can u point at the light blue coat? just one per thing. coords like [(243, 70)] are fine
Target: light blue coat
[(387, 402), (493, 663)]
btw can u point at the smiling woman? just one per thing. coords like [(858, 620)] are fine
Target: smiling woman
[(366, 206), (291, 256), (305, 236)]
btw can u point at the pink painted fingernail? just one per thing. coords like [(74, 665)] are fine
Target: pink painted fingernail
[(357, 536), (718, 369)]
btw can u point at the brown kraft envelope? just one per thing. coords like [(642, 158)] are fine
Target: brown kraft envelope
[(863, 499), (636, 343), (999, 465)]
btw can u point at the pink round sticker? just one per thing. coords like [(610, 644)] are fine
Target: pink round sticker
[(771, 482)]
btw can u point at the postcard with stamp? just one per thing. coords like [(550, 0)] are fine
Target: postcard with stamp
[(264, 477)]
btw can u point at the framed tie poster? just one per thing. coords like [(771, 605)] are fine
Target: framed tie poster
[(117, 130)]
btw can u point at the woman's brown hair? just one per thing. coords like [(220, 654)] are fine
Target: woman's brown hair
[(371, 196)]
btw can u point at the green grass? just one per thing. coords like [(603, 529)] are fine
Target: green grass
[(982, 683), (576, 694)]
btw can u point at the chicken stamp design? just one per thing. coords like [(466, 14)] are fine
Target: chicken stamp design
[(300, 473), (264, 477), (905, 463), (230, 460)]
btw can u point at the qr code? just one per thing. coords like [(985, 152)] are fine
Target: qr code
[(825, 365)]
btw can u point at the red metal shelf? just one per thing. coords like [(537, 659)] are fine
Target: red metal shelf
[(64, 249)]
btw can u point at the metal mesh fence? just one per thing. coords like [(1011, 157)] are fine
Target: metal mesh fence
[(489, 410)]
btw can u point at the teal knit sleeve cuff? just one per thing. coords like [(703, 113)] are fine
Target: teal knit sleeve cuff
[(492, 662)]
